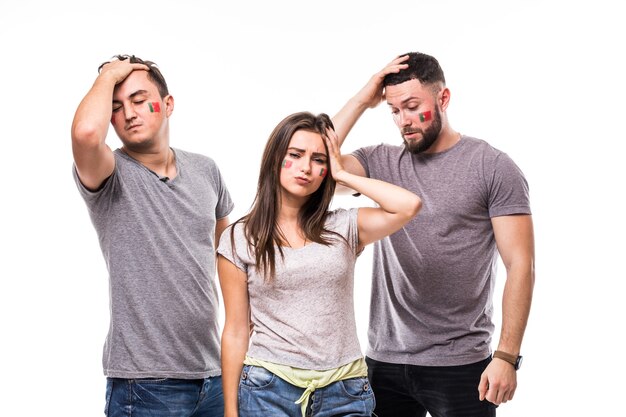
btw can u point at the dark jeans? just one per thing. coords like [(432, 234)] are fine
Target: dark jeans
[(442, 391), (164, 397)]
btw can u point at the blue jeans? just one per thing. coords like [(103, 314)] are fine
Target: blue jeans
[(164, 397), (263, 394), (442, 391)]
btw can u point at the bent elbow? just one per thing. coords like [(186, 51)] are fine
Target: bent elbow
[(415, 206), (86, 134)]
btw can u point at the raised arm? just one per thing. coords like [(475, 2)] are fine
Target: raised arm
[(93, 158), (396, 205), (515, 240), (236, 333), (368, 97)]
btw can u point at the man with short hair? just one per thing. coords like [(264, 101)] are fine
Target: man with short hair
[(431, 327), (158, 212)]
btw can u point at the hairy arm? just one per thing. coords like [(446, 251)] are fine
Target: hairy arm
[(369, 96), (515, 240), (396, 205)]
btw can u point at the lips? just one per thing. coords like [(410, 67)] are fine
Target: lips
[(131, 127), (410, 132), (303, 180)]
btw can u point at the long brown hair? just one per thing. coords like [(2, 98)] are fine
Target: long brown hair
[(261, 223)]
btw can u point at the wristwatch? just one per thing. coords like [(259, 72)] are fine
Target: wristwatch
[(516, 361)]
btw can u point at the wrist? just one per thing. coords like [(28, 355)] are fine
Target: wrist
[(360, 104), (515, 360)]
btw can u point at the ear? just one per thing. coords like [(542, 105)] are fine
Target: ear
[(444, 98), (169, 105)]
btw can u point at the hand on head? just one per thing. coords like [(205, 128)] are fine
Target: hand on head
[(119, 69), (334, 155), (372, 94)]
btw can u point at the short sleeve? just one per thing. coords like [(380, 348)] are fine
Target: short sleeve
[(233, 245)]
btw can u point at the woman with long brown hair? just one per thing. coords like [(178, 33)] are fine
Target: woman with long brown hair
[(286, 271)]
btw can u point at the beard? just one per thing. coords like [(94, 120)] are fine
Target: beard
[(429, 136)]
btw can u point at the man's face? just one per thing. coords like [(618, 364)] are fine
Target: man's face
[(139, 111), (416, 113)]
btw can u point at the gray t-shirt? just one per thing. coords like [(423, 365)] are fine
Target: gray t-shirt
[(433, 280), (157, 238), (305, 317)]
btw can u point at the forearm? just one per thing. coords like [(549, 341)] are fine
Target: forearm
[(389, 197), (516, 303), (234, 348), (347, 117), (92, 118)]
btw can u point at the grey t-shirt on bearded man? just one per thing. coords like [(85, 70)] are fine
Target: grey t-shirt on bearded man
[(433, 280)]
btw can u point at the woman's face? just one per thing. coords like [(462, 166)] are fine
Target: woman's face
[(304, 166)]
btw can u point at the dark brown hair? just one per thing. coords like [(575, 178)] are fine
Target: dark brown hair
[(154, 74), (261, 223), (422, 67)]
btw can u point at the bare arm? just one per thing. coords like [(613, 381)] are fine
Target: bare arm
[(369, 96), (94, 159), (220, 225), (515, 239), (236, 333), (396, 205)]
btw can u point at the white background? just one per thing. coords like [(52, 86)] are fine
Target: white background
[(541, 80)]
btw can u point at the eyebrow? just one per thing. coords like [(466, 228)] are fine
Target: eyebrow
[(407, 100), (293, 148), (133, 95)]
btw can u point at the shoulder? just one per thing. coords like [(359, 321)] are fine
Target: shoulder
[(232, 234), (487, 154), (382, 156), (235, 229), (200, 164), (195, 158), (338, 218), (480, 146), (380, 149)]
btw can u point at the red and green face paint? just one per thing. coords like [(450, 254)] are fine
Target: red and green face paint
[(323, 172), (155, 107), (286, 164), (426, 116)]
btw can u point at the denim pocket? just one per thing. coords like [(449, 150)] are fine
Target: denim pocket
[(357, 387), (255, 377)]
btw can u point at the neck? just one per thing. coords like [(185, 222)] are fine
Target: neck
[(161, 161), (288, 214), (446, 139), (290, 229)]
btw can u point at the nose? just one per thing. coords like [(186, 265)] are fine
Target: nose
[(305, 165), (129, 112), (403, 119)]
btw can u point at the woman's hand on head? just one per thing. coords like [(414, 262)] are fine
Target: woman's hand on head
[(334, 155)]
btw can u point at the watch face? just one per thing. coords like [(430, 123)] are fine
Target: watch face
[(518, 362)]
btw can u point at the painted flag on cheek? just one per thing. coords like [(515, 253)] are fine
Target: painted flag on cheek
[(154, 106), (424, 117), (322, 172), (286, 164)]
